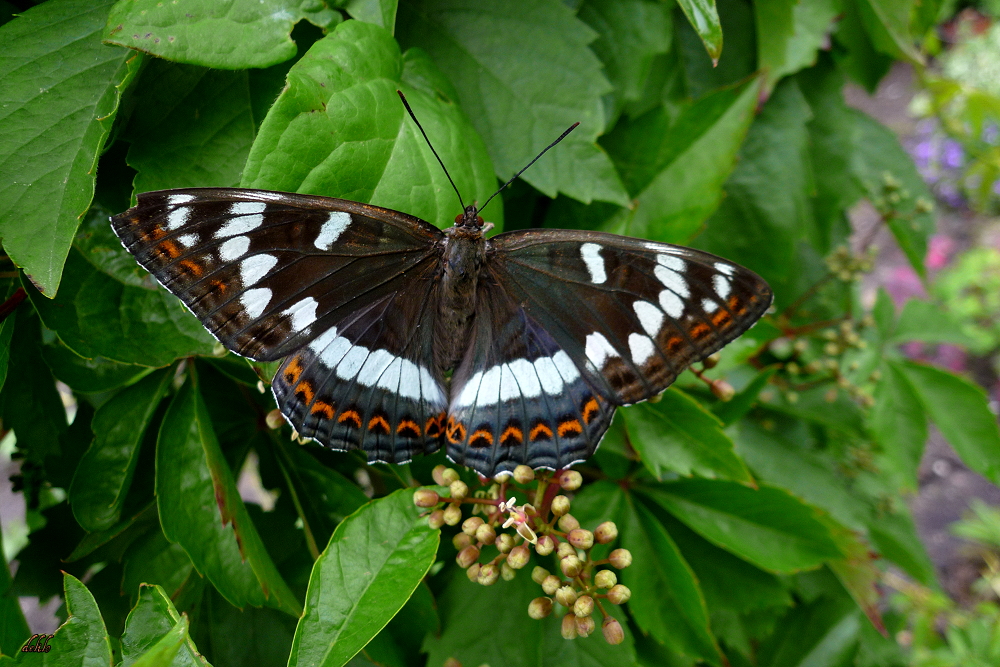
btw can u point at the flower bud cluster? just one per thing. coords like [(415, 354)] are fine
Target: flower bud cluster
[(488, 550)]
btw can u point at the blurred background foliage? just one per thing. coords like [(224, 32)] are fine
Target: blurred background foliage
[(162, 518)]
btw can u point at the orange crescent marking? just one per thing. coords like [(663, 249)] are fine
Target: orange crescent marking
[(321, 406), (720, 317), (379, 420), (570, 426), (306, 390), (455, 432), (409, 424), (192, 267), (540, 429), (350, 415), (481, 435), (736, 306), (512, 432), (699, 330), (589, 409), (293, 370), (170, 249)]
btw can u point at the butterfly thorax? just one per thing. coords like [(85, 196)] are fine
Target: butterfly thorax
[(464, 253)]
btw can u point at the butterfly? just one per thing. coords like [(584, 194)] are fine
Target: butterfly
[(397, 337)]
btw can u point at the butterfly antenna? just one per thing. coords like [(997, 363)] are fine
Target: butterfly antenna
[(561, 137), (420, 127)]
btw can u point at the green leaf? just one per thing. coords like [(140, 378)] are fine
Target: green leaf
[(239, 34), (631, 34), (857, 56), (510, 638), (789, 34), (164, 653), (380, 12), (888, 24), (57, 105), (739, 405), (151, 559), (90, 375), (820, 633), (374, 561), (768, 210), (782, 462), (767, 526), (491, 53), (704, 18), (929, 323), (13, 626), (666, 600), (6, 333), (123, 532), (895, 536), (959, 409), (153, 620), (105, 472), (29, 403), (191, 127), (899, 425), (339, 129), (677, 434), (82, 640), (675, 168), (100, 313), (201, 510)]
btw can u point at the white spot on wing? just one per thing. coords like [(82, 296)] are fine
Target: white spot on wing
[(390, 376), (724, 268), (599, 349), (234, 248), (332, 229), (352, 362), (650, 317), (333, 354), (489, 389), (548, 375), (672, 280), (508, 384), (430, 389), (565, 366), (641, 348), (709, 306), (591, 254), (409, 380), (247, 216), (302, 313), (178, 217), (188, 240), (722, 285), (671, 262), (320, 342), (255, 301), (376, 364), (672, 304), (254, 268)]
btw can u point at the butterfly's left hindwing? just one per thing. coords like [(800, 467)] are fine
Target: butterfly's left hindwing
[(338, 288)]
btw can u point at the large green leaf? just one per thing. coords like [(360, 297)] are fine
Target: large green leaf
[(105, 472), (899, 425), (677, 434), (767, 210), (238, 34), (888, 24), (789, 34), (339, 129), (631, 34), (666, 600), (81, 641), (491, 52), (153, 619), (165, 652), (90, 375), (201, 510), (821, 633), (151, 559), (373, 563), (960, 411), (191, 127), (675, 167), (767, 526), (929, 323), (59, 98), (511, 637), (110, 307)]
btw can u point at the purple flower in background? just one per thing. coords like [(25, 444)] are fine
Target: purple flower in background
[(904, 284), (952, 156), (923, 153), (991, 133)]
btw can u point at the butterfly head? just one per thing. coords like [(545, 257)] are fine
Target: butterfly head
[(469, 218)]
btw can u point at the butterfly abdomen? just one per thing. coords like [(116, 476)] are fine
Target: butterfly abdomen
[(464, 253)]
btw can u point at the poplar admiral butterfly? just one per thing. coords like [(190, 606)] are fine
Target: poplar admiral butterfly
[(398, 337)]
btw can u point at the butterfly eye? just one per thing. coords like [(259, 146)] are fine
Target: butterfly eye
[(458, 218), (479, 219)]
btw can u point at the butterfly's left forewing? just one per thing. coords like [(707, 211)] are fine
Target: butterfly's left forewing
[(341, 289)]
